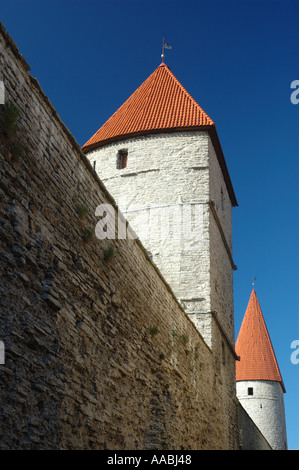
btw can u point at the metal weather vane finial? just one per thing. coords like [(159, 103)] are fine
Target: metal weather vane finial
[(253, 279), (165, 45)]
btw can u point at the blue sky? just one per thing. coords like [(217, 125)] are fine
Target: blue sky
[(237, 59)]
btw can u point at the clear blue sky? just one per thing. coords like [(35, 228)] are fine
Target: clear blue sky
[(237, 59)]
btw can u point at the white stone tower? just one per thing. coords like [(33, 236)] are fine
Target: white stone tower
[(160, 158), (260, 386)]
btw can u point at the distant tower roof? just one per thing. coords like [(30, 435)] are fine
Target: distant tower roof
[(257, 357), (160, 104)]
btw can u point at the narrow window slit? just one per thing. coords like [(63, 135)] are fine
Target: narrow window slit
[(122, 158)]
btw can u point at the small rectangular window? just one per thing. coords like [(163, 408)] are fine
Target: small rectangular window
[(250, 391), (122, 157)]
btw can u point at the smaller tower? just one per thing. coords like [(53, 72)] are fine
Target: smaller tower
[(260, 386)]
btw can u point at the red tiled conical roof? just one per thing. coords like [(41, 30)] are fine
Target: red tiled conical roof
[(160, 104), (257, 357)]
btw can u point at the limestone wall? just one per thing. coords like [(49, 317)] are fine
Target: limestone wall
[(166, 175), (251, 437), (265, 406), (98, 352), (222, 264)]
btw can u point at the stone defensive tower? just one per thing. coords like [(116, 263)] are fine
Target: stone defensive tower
[(160, 157), (260, 387)]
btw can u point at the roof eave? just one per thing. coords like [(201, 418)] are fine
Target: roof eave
[(87, 147)]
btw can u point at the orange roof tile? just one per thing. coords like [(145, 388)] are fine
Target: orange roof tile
[(257, 357), (160, 104)]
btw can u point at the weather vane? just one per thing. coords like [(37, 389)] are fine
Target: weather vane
[(165, 45), (253, 280)]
